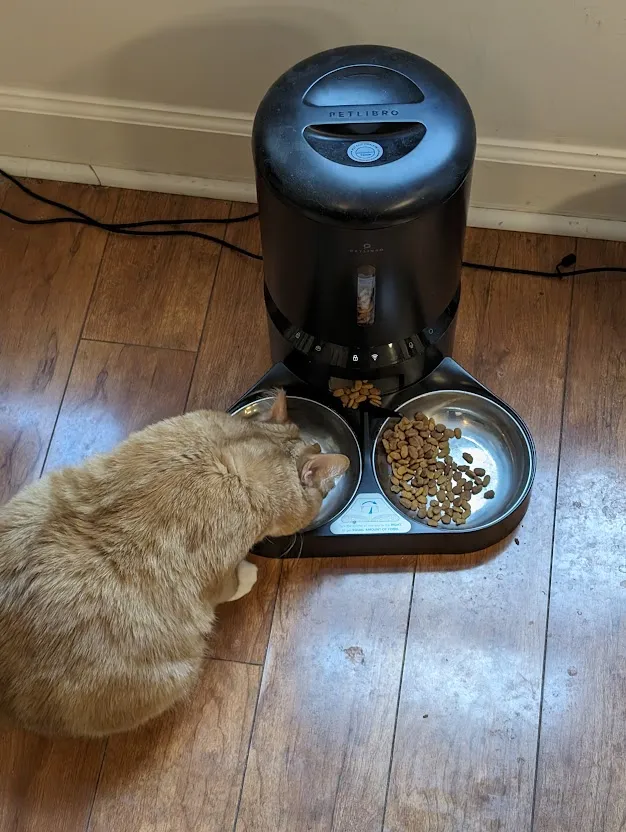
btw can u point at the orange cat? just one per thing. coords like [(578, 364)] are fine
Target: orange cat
[(110, 572)]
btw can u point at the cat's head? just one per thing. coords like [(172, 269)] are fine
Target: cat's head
[(298, 475)]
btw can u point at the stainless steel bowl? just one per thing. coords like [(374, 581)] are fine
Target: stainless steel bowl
[(334, 435), (493, 436)]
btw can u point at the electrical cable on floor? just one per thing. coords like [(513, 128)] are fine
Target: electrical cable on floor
[(113, 225), (130, 229), (132, 233)]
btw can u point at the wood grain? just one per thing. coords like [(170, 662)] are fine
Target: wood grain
[(481, 246), (155, 291), (47, 786), (233, 355), (321, 745), (113, 390), (183, 771), (582, 761), (47, 276), (235, 344), (243, 627), (466, 736), (4, 187)]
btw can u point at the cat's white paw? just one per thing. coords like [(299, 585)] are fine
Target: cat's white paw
[(247, 576)]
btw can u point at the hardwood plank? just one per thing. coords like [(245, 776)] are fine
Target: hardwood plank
[(235, 344), (155, 292), (582, 754), (47, 276), (466, 737), (234, 353), (113, 390), (47, 786), (243, 627), (183, 771), (481, 246), (4, 187), (321, 744)]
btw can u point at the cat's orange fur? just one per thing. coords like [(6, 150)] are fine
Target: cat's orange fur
[(110, 572)]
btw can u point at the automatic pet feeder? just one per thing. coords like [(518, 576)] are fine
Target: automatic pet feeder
[(363, 158)]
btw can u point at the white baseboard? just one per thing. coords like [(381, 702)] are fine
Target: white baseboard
[(547, 224), (547, 188), (172, 184), (42, 169)]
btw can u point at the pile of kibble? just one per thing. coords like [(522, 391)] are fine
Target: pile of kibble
[(361, 391), (426, 478)]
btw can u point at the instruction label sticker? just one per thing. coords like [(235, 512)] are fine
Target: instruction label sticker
[(370, 514)]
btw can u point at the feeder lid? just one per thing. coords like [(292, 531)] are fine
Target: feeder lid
[(364, 134)]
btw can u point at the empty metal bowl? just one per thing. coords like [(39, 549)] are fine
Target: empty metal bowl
[(497, 441), (320, 424)]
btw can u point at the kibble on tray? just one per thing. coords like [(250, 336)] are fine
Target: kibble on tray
[(361, 391), (426, 477)]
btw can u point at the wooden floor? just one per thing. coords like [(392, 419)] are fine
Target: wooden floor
[(420, 694)]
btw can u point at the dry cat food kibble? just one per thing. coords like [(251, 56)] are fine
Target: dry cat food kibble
[(424, 475), (361, 391)]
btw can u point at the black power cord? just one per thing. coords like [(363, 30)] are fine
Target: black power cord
[(113, 225), (130, 229), (568, 261)]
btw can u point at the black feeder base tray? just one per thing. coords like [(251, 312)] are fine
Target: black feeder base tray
[(373, 522)]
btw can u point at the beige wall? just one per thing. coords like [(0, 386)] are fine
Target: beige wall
[(538, 70), (168, 88)]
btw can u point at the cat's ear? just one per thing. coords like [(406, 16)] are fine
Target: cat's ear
[(278, 411), (321, 468)]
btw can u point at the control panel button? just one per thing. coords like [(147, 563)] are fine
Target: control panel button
[(383, 355), (336, 356), (365, 151), (357, 359), (411, 347)]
